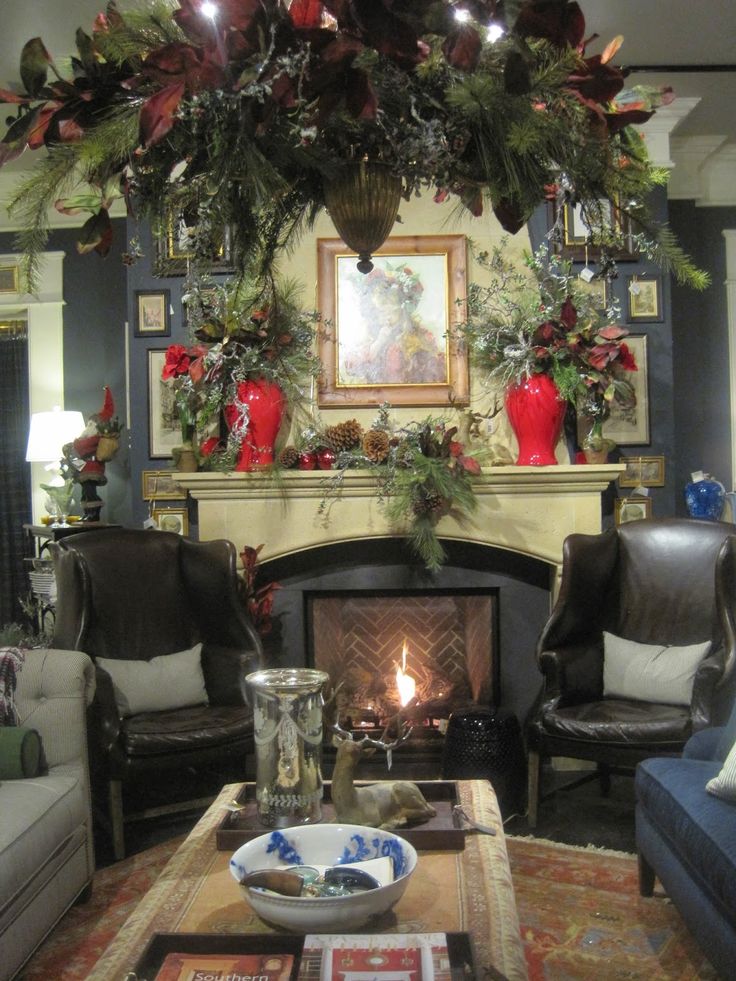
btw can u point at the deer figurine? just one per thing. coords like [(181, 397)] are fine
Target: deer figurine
[(389, 804)]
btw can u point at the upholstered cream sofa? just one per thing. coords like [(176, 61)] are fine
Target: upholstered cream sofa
[(46, 845)]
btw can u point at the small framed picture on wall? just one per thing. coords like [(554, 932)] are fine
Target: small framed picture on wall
[(644, 295), (633, 508), (171, 519), (152, 313)]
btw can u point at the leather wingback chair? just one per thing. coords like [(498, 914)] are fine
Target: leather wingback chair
[(669, 581), (134, 595)]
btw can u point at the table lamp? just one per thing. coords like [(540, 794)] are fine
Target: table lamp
[(49, 432)]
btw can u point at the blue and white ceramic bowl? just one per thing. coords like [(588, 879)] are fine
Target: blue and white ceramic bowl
[(324, 845)]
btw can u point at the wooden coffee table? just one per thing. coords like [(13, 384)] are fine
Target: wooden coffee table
[(466, 890)]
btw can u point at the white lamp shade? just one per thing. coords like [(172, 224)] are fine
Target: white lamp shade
[(49, 432)]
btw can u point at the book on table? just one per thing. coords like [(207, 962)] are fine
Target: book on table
[(226, 967), (378, 957)]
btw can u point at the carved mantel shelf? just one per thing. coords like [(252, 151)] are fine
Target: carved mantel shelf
[(524, 509)]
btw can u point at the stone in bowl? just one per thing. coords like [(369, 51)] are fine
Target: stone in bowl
[(323, 845)]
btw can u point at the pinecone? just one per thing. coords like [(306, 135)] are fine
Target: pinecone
[(288, 457), (376, 445), (344, 435), (429, 504)]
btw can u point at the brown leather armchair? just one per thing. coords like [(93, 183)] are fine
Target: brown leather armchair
[(669, 581), (135, 595)]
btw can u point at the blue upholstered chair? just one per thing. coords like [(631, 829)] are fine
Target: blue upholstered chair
[(686, 837)]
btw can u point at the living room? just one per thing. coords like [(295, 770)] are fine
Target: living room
[(97, 323)]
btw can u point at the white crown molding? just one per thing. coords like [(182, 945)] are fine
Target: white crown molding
[(704, 172), (657, 130)]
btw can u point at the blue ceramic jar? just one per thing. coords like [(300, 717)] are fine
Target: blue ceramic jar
[(705, 498)]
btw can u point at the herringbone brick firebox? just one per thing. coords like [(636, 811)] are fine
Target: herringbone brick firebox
[(358, 638)]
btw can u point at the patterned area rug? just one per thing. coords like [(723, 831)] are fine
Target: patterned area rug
[(582, 917), (580, 911)]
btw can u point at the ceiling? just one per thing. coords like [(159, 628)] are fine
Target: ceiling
[(669, 33)]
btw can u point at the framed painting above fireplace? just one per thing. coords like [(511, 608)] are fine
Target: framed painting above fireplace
[(388, 335)]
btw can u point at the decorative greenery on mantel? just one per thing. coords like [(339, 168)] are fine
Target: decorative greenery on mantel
[(246, 118)]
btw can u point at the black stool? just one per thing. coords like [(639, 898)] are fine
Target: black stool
[(486, 744)]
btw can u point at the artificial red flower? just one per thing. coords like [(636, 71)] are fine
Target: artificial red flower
[(626, 358), (177, 362)]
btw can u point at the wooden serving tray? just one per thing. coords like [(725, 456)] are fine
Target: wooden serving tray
[(439, 833)]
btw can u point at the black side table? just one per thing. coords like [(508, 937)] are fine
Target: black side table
[(486, 744)]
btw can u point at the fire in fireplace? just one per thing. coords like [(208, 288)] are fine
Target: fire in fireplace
[(435, 649)]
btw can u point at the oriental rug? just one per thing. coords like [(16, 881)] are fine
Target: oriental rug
[(580, 912)]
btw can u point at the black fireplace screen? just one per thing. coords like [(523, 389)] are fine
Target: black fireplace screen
[(450, 636)]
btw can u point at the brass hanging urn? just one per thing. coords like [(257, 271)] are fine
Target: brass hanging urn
[(363, 202)]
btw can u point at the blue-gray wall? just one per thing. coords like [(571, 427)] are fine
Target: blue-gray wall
[(700, 329), (94, 346)]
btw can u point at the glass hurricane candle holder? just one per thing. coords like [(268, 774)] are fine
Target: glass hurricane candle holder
[(287, 727)]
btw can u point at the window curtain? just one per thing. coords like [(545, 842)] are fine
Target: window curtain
[(15, 473)]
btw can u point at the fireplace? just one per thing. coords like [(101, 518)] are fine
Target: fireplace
[(510, 547), (434, 649)]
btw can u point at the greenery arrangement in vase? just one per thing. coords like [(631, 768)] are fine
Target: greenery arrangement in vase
[(543, 320), (251, 117), (244, 332)]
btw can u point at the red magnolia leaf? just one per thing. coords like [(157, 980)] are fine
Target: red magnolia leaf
[(626, 358), (516, 77), (596, 81), (509, 215), (34, 63), (7, 96), (470, 464), (306, 13), (10, 151), (360, 96), (568, 314), (387, 33), (629, 117), (157, 113), (96, 234), (560, 23), (462, 47), (611, 48), (612, 332), (37, 134)]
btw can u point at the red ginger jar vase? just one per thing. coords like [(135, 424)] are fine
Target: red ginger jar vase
[(265, 401), (536, 412)]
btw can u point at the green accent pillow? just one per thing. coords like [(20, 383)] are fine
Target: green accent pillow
[(21, 753), (169, 681), (650, 672)]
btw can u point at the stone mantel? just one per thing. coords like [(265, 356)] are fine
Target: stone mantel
[(530, 510)]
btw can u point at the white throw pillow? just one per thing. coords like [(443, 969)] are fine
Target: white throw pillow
[(169, 681), (650, 672), (724, 785)]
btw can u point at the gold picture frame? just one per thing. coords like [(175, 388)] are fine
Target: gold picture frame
[(633, 508), (171, 519), (174, 252), (644, 298), (575, 243), (160, 485), (389, 335), (630, 427), (643, 471), (9, 279)]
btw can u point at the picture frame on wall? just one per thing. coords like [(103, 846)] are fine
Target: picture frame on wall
[(160, 485), (153, 308), (9, 281), (389, 334), (171, 519), (629, 427), (633, 508), (174, 248), (164, 429), (642, 471), (644, 298), (575, 241)]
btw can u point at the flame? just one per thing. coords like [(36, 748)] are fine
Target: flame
[(406, 685)]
